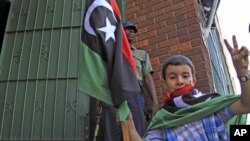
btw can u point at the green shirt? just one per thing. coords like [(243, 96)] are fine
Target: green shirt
[(142, 62)]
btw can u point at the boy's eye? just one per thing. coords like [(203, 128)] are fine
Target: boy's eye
[(172, 77), (186, 76)]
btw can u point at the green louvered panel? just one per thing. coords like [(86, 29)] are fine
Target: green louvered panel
[(44, 14), (39, 97)]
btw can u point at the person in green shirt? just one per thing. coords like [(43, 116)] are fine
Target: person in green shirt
[(144, 77), (110, 129)]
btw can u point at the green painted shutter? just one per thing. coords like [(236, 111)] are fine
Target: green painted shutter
[(39, 97)]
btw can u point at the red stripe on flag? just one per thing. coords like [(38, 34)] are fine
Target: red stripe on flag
[(125, 45), (127, 51), (116, 8)]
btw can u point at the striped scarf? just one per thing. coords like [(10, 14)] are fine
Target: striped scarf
[(189, 107), (184, 98)]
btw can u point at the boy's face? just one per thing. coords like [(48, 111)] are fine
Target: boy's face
[(178, 76)]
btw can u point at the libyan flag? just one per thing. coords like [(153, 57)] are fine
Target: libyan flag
[(166, 119), (107, 69)]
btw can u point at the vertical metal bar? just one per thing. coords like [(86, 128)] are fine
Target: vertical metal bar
[(28, 70), (58, 64), (86, 133), (13, 115), (37, 79), (67, 75), (8, 78), (78, 64), (47, 73), (33, 113), (44, 99)]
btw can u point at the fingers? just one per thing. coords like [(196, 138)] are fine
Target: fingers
[(239, 55), (130, 120), (235, 42), (228, 45), (234, 51)]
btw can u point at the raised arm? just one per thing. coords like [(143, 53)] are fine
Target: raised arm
[(152, 92), (150, 86), (241, 62)]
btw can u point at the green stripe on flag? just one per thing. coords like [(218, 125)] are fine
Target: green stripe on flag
[(123, 111), (93, 79), (165, 119)]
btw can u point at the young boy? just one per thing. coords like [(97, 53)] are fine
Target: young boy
[(190, 115)]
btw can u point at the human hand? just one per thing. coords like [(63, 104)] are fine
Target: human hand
[(239, 57), (133, 134)]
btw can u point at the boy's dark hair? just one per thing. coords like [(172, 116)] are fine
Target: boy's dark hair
[(177, 60)]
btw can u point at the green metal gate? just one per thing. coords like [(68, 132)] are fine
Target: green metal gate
[(39, 97)]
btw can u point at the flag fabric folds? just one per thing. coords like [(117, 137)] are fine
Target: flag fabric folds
[(107, 69), (199, 106)]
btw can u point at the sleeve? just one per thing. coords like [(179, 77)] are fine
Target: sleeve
[(154, 135), (225, 113), (148, 67)]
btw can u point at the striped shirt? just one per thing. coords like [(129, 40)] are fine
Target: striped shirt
[(211, 128)]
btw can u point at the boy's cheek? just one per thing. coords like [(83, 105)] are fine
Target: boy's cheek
[(170, 89)]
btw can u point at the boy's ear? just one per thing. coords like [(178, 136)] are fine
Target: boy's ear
[(194, 81)]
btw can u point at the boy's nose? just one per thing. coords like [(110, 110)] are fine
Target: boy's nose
[(180, 81)]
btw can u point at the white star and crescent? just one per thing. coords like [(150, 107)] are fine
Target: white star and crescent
[(108, 30)]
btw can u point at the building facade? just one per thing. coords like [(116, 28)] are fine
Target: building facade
[(168, 27), (39, 96)]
